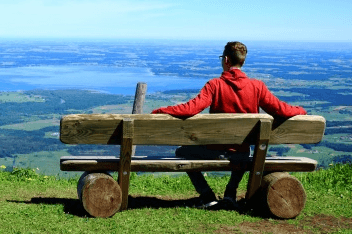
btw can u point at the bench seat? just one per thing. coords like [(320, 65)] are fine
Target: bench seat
[(95, 189), (171, 164)]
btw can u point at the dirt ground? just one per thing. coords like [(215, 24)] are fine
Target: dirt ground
[(316, 224)]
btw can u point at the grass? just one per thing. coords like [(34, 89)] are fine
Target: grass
[(33, 126), (45, 161), (19, 97), (329, 190), (36, 203)]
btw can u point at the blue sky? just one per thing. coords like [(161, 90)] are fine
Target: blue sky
[(312, 20)]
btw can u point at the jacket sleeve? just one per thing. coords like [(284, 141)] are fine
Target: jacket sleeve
[(192, 107), (273, 106)]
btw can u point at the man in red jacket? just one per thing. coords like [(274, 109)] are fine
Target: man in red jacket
[(232, 92)]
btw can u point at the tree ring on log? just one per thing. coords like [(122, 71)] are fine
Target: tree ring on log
[(100, 194), (284, 195)]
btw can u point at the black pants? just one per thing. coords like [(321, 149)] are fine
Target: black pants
[(202, 152)]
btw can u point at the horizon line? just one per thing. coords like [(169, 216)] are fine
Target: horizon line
[(168, 39)]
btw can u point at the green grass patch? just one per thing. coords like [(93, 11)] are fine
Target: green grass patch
[(330, 190), (149, 106), (19, 97), (33, 125), (47, 162), (53, 135), (126, 108), (331, 113), (344, 138), (35, 203), (285, 93)]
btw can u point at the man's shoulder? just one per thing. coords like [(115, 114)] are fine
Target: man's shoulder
[(256, 81), (215, 81)]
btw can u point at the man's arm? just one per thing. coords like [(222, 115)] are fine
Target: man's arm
[(273, 106), (192, 107)]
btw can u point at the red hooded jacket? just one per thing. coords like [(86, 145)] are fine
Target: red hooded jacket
[(233, 92)]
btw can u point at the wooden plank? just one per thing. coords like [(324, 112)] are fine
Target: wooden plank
[(125, 160), (161, 129), (300, 129), (261, 147), (162, 164)]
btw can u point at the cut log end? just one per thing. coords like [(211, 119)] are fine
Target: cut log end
[(283, 195), (100, 194)]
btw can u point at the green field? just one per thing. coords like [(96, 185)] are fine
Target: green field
[(19, 97), (43, 199), (32, 203), (33, 125), (29, 131)]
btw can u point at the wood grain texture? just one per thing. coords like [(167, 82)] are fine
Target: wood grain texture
[(261, 147), (150, 164), (283, 195), (138, 103), (125, 160), (160, 129), (139, 97), (300, 129), (201, 129), (100, 194)]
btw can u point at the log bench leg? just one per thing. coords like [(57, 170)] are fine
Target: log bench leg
[(282, 195), (100, 194)]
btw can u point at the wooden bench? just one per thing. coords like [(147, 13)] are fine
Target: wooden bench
[(102, 196)]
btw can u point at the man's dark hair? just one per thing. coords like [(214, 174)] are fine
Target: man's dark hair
[(236, 51)]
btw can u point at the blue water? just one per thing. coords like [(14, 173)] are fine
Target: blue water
[(116, 66), (117, 80)]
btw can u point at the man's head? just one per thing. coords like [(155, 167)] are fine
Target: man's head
[(234, 54)]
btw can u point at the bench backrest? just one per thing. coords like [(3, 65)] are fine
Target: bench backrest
[(202, 129)]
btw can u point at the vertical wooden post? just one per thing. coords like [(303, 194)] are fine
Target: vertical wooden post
[(125, 160), (261, 147), (127, 149), (139, 98)]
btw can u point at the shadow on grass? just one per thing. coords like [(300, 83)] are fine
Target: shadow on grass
[(75, 207), (253, 210), (155, 202), (71, 206)]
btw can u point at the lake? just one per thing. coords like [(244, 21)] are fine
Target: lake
[(116, 66)]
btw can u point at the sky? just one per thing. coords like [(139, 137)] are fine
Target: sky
[(284, 20)]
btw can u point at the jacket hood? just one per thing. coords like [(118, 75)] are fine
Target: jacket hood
[(236, 78)]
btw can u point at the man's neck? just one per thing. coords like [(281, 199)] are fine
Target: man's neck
[(235, 67)]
